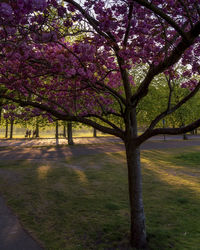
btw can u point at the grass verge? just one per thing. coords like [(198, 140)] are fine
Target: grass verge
[(82, 202)]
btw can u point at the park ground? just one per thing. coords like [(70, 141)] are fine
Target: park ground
[(76, 197)]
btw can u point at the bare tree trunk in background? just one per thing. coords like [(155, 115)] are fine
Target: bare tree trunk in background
[(56, 135), (6, 133), (0, 113), (184, 135), (11, 128), (69, 133), (94, 132), (64, 130), (37, 134)]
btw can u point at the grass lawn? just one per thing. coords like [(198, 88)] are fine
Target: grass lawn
[(82, 203), (44, 134)]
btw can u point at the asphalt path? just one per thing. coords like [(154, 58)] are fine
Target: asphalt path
[(12, 235)]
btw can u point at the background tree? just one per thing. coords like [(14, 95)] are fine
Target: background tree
[(156, 100)]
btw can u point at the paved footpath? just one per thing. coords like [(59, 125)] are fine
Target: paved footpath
[(12, 235)]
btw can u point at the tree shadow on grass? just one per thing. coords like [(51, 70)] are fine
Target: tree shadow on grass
[(70, 207), (81, 207)]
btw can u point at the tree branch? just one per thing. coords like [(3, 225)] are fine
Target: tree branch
[(129, 24), (166, 63), (164, 16), (112, 91), (93, 22), (173, 109), (170, 92), (167, 131), (103, 120), (65, 117), (148, 133)]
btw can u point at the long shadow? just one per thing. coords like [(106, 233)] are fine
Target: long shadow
[(80, 203), (59, 152), (64, 151), (82, 210)]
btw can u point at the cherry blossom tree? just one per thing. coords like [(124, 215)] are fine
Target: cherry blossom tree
[(73, 60)]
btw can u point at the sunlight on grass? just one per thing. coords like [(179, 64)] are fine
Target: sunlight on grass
[(43, 171), (82, 202), (82, 177), (172, 178)]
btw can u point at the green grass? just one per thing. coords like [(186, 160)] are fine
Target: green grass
[(82, 203), (76, 133)]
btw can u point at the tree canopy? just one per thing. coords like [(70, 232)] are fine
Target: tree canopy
[(74, 60)]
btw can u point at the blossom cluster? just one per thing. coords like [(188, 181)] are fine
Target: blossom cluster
[(56, 55)]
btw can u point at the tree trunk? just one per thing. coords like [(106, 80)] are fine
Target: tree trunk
[(0, 112), (94, 132), (11, 128), (56, 135), (184, 135), (37, 132), (69, 134), (6, 133), (64, 130), (138, 228)]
